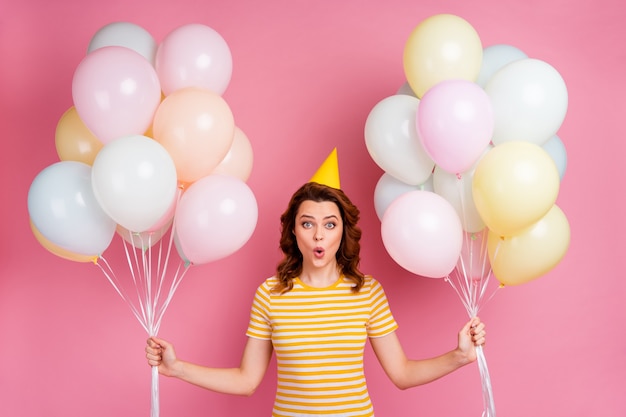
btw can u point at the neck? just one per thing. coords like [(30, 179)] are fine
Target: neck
[(320, 277)]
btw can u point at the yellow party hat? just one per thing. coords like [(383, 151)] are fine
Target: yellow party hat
[(328, 172)]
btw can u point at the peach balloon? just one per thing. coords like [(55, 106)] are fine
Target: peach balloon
[(59, 251), (74, 141), (238, 160), (197, 128)]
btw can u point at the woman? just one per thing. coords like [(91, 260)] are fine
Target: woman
[(316, 314)]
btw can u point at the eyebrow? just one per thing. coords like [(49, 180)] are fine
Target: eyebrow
[(308, 216)]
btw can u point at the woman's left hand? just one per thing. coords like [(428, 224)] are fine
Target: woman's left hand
[(471, 335)]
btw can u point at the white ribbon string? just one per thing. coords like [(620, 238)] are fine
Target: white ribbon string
[(488, 402), (472, 291), (149, 287)]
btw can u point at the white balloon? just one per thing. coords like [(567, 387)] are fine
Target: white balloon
[(392, 141), (144, 240), (529, 100), (494, 58), (134, 180), (63, 208), (128, 35), (388, 188), (458, 192)]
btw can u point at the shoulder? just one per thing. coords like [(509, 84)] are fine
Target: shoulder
[(371, 283), (371, 286), (267, 285)]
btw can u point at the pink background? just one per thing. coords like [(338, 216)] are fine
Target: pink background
[(306, 75)]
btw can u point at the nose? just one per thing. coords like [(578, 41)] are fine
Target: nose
[(319, 234)]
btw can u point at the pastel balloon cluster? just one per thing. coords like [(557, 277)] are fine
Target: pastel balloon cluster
[(469, 147), (148, 144)]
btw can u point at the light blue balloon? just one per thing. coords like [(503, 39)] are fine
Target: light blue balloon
[(556, 149), (63, 208), (389, 188), (496, 57)]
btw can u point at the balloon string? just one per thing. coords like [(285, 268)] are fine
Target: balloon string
[(161, 273), (472, 291), (154, 288), (154, 397), (178, 277), (112, 278), (488, 401), (136, 280), (154, 330), (462, 298)]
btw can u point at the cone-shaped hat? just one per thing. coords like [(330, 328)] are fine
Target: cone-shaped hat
[(328, 172)]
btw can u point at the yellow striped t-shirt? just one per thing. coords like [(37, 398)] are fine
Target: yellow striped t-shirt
[(319, 337)]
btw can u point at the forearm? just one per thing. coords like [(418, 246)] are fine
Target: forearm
[(420, 372), (406, 373), (242, 380), (224, 380)]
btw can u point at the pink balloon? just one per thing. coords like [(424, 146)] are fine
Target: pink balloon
[(422, 233), (455, 123), (116, 92), (215, 217), (194, 55)]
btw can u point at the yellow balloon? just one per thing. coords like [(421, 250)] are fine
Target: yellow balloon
[(59, 251), (441, 47), (74, 141), (514, 185), (519, 259)]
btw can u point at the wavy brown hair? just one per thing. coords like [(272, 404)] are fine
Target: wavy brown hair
[(348, 254)]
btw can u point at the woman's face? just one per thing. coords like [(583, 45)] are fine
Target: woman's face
[(318, 229)]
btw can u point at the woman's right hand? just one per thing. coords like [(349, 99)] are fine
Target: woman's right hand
[(162, 354)]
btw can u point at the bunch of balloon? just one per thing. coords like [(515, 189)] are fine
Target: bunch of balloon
[(472, 165), (150, 152)]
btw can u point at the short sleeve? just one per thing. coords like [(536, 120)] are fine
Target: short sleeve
[(260, 326), (381, 320)]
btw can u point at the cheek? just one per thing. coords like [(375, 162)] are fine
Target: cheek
[(337, 240), (300, 241)]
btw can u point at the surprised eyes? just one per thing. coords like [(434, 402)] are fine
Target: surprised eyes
[(328, 225)]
